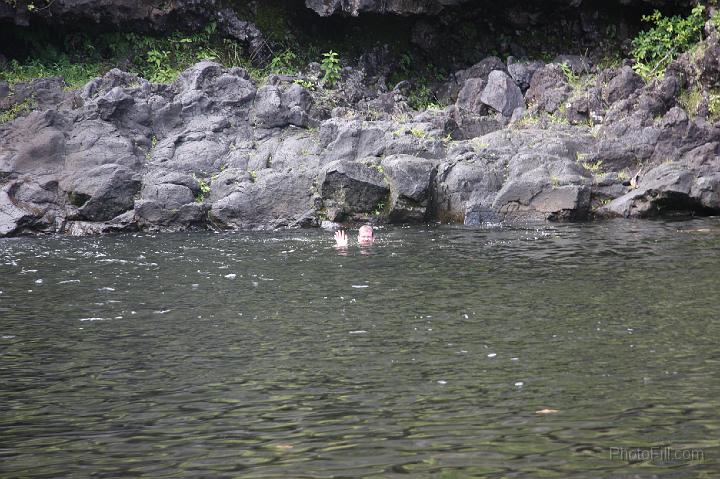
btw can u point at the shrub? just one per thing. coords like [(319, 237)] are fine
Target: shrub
[(330, 66), (654, 49)]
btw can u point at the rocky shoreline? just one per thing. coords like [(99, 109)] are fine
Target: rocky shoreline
[(521, 141)]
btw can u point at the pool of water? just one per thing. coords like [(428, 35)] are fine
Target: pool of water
[(561, 351)]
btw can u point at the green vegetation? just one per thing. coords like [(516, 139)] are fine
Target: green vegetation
[(379, 209), (284, 63), (418, 132), (15, 111), (690, 100), (79, 58), (654, 49), (204, 189), (153, 144), (421, 74), (593, 167), (714, 106), (330, 66)]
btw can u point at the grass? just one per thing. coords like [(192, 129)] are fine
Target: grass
[(15, 111), (690, 100), (714, 105), (478, 145), (593, 167), (418, 132)]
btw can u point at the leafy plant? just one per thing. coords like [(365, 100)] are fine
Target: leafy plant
[(654, 49), (284, 63), (204, 189), (305, 83), (330, 66)]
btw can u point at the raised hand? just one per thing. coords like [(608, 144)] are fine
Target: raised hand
[(341, 239)]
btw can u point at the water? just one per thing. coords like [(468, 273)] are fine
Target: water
[(437, 352)]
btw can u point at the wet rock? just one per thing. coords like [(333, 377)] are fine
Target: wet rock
[(11, 216), (520, 200), (102, 192), (665, 190), (502, 94), (410, 179), (350, 188), (270, 199), (466, 186)]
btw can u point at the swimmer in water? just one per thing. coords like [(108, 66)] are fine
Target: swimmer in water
[(365, 237)]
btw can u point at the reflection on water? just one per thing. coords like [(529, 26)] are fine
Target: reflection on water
[(437, 352)]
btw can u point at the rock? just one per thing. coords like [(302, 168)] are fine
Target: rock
[(579, 65), (539, 201), (469, 97), (410, 180), (326, 8), (350, 188), (278, 106), (664, 190), (502, 94), (481, 69), (622, 85), (522, 72), (465, 186), (102, 192), (272, 199), (548, 89), (12, 217), (708, 65)]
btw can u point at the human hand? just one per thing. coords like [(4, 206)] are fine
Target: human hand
[(341, 239)]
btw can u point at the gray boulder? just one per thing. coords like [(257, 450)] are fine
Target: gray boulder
[(350, 189), (668, 189), (622, 85), (522, 72), (548, 89), (267, 199), (502, 94), (410, 180), (278, 106), (469, 97), (520, 200)]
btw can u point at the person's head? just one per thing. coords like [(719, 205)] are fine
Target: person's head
[(365, 235)]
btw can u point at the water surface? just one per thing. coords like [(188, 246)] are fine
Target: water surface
[(437, 352)]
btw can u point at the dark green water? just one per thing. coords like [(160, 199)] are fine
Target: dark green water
[(425, 355)]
